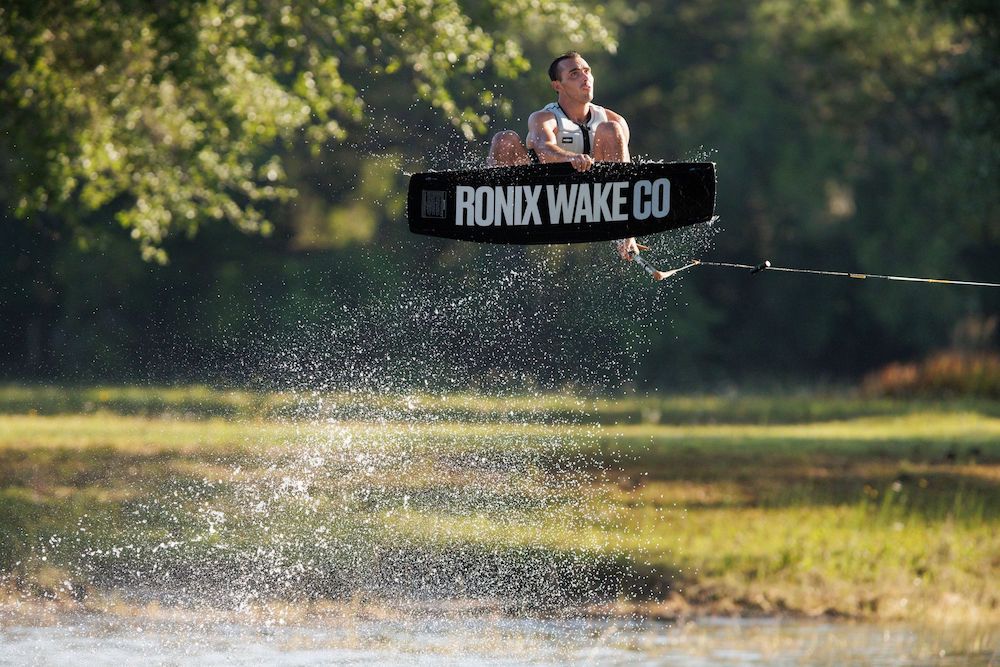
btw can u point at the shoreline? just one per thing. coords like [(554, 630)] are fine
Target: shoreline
[(673, 610)]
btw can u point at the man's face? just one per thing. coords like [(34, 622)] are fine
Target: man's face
[(575, 80)]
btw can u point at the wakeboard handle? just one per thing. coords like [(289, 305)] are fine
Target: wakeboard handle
[(656, 274), (634, 255)]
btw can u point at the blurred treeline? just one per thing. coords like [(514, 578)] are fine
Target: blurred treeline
[(185, 184)]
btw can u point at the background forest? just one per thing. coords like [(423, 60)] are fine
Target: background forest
[(187, 187)]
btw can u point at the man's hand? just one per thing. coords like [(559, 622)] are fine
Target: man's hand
[(581, 161), (626, 247)]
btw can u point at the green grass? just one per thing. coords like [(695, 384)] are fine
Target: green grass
[(755, 505), (195, 402)]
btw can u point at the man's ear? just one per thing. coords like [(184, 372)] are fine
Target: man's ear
[(555, 85)]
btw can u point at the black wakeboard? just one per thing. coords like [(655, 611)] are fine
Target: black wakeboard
[(554, 203)]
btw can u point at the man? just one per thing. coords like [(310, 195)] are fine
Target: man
[(573, 129)]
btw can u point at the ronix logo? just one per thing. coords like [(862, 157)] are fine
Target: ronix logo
[(566, 203)]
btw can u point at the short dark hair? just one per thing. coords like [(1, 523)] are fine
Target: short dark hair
[(554, 67)]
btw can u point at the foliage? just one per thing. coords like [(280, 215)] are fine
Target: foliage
[(942, 374), (849, 135), (840, 130), (168, 115)]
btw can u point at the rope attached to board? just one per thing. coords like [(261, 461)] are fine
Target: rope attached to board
[(767, 266)]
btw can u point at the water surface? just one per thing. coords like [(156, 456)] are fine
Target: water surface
[(427, 639)]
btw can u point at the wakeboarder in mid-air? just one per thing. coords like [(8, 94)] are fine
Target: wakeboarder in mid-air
[(548, 203), (572, 129), (571, 181)]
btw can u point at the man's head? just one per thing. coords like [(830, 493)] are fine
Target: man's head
[(571, 77)]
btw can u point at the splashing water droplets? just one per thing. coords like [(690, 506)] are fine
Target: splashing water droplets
[(417, 462)]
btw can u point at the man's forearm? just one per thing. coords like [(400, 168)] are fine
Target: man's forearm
[(553, 153)]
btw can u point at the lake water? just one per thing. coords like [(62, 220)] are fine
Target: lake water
[(73, 638)]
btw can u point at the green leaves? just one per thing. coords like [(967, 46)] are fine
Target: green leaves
[(163, 119)]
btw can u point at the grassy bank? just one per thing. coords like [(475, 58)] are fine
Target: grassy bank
[(199, 402), (814, 505)]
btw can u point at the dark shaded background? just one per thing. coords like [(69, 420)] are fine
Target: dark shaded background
[(857, 140)]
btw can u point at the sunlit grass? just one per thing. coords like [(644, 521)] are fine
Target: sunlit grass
[(890, 516), (201, 402)]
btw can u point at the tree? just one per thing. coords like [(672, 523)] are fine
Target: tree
[(165, 115)]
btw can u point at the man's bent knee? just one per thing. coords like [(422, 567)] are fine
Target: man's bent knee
[(611, 142), (610, 131), (506, 140), (506, 149)]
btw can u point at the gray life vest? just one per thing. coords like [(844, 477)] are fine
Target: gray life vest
[(569, 135)]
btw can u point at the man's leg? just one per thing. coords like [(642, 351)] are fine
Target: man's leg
[(610, 144), (506, 150)]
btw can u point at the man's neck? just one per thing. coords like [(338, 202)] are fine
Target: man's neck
[(577, 112)]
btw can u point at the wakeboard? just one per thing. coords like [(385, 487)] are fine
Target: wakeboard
[(554, 203)]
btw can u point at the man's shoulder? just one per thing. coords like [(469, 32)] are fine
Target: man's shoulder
[(542, 115), (548, 109), (613, 115)]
